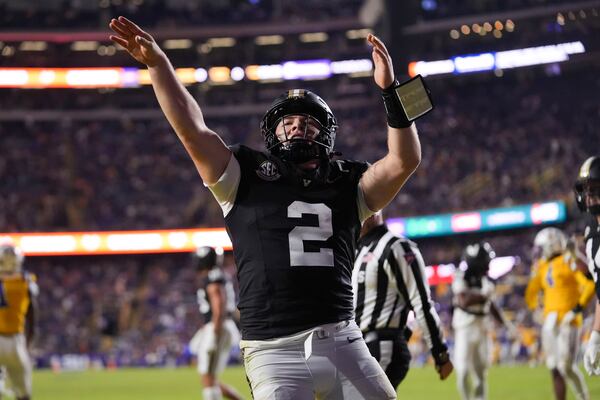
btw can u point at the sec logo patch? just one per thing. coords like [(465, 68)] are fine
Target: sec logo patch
[(268, 171)]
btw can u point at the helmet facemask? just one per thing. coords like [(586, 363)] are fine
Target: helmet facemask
[(302, 145), (317, 132)]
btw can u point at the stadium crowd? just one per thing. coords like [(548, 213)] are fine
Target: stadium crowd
[(485, 146), (93, 14)]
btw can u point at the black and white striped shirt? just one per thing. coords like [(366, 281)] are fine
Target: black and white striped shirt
[(592, 251), (389, 281)]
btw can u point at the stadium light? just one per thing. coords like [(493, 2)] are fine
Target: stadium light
[(33, 46), (358, 33), (174, 44), (498, 60), (85, 46), (314, 37), (268, 40), (181, 240)]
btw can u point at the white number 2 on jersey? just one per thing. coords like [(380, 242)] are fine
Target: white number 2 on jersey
[(322, 232)]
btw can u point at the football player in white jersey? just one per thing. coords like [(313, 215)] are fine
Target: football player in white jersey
[(587, 195), (473, 304), (212, 343)]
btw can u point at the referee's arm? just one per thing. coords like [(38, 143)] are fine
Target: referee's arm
[(409, 268)]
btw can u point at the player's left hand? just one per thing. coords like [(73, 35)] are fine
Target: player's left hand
[(445, 369), (384, 69), (591, 357)]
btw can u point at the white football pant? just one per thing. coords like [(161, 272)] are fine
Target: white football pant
[(212, 352), (471, 359), (14, 357), (560, 345), (328, 362)]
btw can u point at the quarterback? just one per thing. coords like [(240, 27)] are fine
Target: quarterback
[(293, 213)]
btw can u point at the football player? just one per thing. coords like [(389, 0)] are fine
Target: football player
[(389, 280), (473, 292), (566, 292), (294, 215), (587, 195), (212, 343), (18, 290)]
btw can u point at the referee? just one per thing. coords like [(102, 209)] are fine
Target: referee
[(389, 281)]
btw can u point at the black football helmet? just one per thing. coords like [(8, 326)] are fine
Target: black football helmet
[(208, 257), (477, 257), (588, 184), (299, 150)]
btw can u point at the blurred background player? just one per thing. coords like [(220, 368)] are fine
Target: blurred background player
[(473, 302), (17, 319), (566, 291), (389, 281), (587, 196), (212, 343)]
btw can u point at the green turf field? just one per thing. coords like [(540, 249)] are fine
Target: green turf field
[(182, 384)]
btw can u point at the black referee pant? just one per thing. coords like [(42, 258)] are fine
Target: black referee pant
[(390, 348)]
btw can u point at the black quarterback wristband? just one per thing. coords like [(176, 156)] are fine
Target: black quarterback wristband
[(396, 117), (577, 309)]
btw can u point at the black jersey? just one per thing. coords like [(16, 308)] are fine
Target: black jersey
[(294, 243), (215, 276), (592, 251)]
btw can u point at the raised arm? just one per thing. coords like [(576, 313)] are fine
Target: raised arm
[(207, 149), (382, 181)]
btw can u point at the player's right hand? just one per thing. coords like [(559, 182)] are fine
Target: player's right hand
[(591, 357), (139, 43), (445, 369)]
